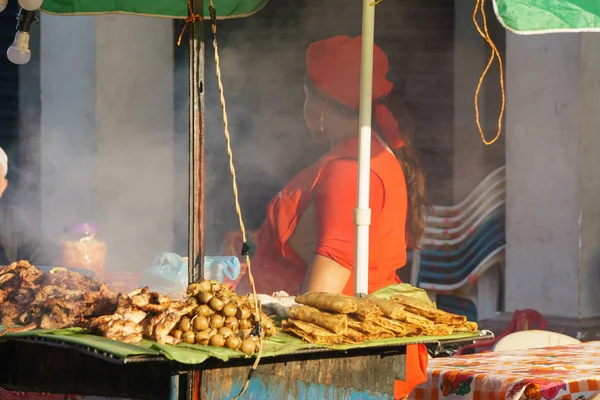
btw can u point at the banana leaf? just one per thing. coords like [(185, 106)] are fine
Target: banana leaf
[(278, 345)]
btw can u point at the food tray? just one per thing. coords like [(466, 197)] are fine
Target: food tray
[(281, 345)]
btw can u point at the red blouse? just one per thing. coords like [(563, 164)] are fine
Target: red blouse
[(333, 182)]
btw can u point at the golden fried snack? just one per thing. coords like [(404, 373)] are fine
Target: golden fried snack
[(353, 336), (428, 311), (366, 310), (410, 318), (337, 303), (438, 330), (397, 327), (311, 333), (389, 308), (336, 323), (371, 329), (468, 327), (413, 330)]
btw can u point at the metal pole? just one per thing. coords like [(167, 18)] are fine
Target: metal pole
[(362, 213)]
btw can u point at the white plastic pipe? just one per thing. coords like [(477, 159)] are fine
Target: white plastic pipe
[(362, 213)]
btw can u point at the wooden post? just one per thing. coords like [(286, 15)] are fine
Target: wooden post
[(196, 163)]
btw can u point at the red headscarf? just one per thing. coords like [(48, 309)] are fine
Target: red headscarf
[(333, 66)]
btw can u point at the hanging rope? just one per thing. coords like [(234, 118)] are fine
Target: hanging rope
[(238, 210), (189, 20), (479, 6)]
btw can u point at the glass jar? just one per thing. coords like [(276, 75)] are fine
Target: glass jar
[(81, 247)]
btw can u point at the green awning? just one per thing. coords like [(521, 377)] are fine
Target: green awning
[(176, 9), (529, 17)]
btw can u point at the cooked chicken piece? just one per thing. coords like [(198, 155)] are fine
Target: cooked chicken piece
[(165, 326), (50, 300)]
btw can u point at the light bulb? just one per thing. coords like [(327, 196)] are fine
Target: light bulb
[(19, 53), (3, 4), (30, 5)]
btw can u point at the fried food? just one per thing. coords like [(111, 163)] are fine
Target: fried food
[(366, 309), (323, 317), (337, 303), (370, 329), (438, 330), (410, 318), (51, 300), (428, 311), (143, 314), (311, 333), (467, 327), (388, 308), (398, 328), (337, 323)]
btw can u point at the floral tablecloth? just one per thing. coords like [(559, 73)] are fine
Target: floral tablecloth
[(563, 372)]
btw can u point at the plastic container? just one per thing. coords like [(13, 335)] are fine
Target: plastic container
[(82, 247)]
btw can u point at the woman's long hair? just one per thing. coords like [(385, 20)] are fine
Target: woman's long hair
[(408, 158)]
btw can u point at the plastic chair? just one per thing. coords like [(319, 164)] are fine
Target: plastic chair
[(494, 195), (464, 230), (456, 304), (459, 267), (523, 320), (533, 339), (490, 180), (492, 229), (495, 257)]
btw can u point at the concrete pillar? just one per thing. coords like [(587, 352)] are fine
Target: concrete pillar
[(107, 131), (553, 174)]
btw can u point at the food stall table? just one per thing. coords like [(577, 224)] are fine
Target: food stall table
[(561, 372), (65, 364)]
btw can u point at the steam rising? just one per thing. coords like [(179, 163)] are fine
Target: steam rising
[(133, 181)]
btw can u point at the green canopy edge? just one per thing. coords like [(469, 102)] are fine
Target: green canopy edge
[(529, 17), (172, 9)]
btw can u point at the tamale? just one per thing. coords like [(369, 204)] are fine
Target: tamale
[(366, 309), (337, 303), (389, 308), (336, 323), (311, 333)]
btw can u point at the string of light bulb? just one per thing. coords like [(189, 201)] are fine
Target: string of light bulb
[(19, 53)]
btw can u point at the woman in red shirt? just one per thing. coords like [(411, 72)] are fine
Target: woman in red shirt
[(307, 241)]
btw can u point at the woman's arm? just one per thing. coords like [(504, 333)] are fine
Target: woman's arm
[(335, 199), (325, 275)]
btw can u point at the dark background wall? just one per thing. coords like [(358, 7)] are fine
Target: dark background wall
[(263, 68), (9, 90)]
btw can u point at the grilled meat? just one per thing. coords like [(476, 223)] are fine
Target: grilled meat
[(51, 300), (142, 314)]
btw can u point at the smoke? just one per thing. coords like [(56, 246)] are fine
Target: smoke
[(118, 76)]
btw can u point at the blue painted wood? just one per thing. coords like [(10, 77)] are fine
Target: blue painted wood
[(352, 377), (271, 389)]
